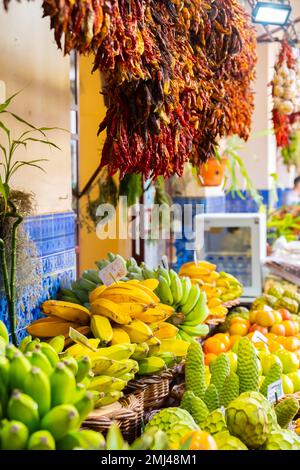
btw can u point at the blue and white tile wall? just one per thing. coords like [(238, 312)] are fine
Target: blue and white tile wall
[(54, 235)]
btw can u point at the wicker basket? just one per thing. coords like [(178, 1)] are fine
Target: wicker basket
[(127, 414)]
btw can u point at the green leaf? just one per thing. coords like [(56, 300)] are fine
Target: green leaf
[(47, 142), (4, 105), (6, 130), (4, 190)]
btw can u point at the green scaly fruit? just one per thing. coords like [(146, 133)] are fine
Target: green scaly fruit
[(282, 439), (57, 343), (22, 407), (41, 440), (151, 365), (215, 422), (163, 291), (195, 370), (13, 435), (247, 418), (108, 398), (199, 410), (273, 375), (79, 393), (168, 358), (71, 363), (247, 366), (63, 385), (4, 370), (199, 313), (230, 389), (19, 368), (4, 332), (286, 411), (50, 352), (25, 341), (192, 300), (211, 398), (32, 344), (186, 401), (37, 386), (220, 369), (84, 366), (176, 287), (175, 422), (225, 441), (85, 405), (186, 287), (60, 420), (141, 351), (38, 359), (84, 439)]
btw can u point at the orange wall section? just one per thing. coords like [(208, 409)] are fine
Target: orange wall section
[(91, 112)]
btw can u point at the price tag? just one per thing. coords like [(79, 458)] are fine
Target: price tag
[(258, 337), (80, 339), (275, 391), (222, 409), (113, 272), (164, 262)]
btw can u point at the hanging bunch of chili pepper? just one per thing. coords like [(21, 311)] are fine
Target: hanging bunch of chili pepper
[(178, 75)]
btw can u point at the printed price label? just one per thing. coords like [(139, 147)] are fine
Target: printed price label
[(275, 391), (80, 338), (258, 337), (113, 272)]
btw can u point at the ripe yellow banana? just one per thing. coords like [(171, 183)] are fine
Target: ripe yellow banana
[(67, 311), (143, 287), (132, 308), (196, 280), (214, 302), (116, 352), (152, 314), (108, 308), (119, 336), (138, 331), (166, 330), (154, 341), (219, 311), (101, 328), (96, 293), (176, 346), (50, 327), (150, 283), (202, 263), (127, 292), (80, 349)]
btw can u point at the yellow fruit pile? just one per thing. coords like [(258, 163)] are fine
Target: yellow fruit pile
[(219, 287)]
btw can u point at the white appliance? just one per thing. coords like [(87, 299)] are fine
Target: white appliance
[(236, 243)]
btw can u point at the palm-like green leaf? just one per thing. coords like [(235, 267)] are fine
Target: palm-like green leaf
[(6, 103)]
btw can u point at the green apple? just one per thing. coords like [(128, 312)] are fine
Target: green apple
[(287, 384), (267, 360), (289, 360), (233, 360), (295, 378)]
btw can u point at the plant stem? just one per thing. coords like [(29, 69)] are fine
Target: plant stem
[(6, 286)]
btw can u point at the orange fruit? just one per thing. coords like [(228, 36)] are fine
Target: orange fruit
[(285, 314), (252, 316), (224, 338), (291, 343), (260, 328), (240, 320), (201, 440), (264, 318), (280, 339), (209, 357), (234, 339), (249, 335), (261, 346), (271, 335), (274, 345), (289, 326), (238, 329), (278, 329), (214, 346), (297, 326), (278, 317)]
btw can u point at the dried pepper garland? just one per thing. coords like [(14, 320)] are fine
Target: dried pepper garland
[(178, 75)]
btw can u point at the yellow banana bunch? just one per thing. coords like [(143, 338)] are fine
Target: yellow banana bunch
[(138, 331), (219, 311), (119, 336), (214, 302), (175, 346), (50, 327), (129, 292), (157, 313), (108, 308), (101, 328), (66, 311), (164, 330), (94, 294)]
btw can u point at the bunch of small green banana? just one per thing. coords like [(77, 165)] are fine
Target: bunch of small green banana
[(43, 397), (151, 440)]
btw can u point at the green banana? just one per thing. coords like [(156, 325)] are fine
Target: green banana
[(125, 366), (3, 398), (176, 287), (149, 273), (151, 365), (71, 362), (84, 439), (198, 330), (41, 440), (79, 393), (141, 351), (163, 291), (114, 438), (102, 264), (4, 370), (37, 386), (127, 376), (186, 287), (25, 341), (10, 350), (60, 420), (38, 359), (4, 332), (193, 297), (92, 275), (72, 300), (84, 285), (111, 257), (87, 379), (84, 366), (101, 383), (163, 272), (82, 295), (32, 344), (13, 435), (19, 368), (85, 406), (63, 385), (50, 352), (2, 346), (168, 357), (108, 398), (22, 407), (117, 384), (199, 313), (185, 336), (57, 343)]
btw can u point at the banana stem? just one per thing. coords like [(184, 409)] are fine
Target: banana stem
[(12, 309)]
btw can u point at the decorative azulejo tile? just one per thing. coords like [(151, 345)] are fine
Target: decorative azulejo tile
[(54, 235)]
